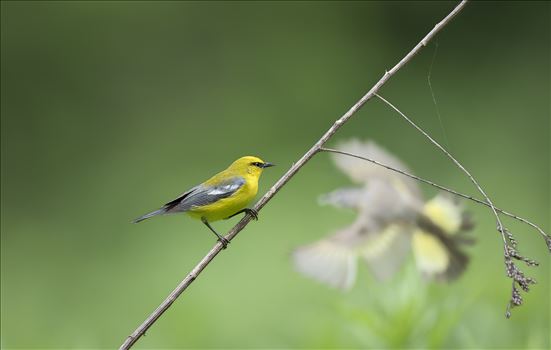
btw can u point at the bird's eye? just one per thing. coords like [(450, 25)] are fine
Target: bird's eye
[(258, 164)]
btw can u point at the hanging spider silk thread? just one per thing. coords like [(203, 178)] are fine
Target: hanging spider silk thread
[(446, 140)]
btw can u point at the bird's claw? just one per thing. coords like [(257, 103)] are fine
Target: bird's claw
[(253, 213), (224, 242)]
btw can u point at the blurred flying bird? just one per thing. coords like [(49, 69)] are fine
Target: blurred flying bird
[(223, 196), (392, 220)]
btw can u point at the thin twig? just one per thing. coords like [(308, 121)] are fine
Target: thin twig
[(510, 252), (443, 188), (434, 97), (500, 227), (140, 331)]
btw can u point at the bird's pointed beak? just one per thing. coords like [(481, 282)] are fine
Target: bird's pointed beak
[(267, 165)]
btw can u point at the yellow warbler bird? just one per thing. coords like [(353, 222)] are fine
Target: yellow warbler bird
[(223, 196)]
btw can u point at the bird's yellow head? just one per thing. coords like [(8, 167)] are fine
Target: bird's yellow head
[(249, 165)]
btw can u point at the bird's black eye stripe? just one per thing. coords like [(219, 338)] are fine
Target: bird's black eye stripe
[(258, 164)]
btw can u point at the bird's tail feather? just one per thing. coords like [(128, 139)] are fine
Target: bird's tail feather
[(148, 215)]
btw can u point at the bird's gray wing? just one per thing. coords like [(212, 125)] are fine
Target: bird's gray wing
[(204, 195)]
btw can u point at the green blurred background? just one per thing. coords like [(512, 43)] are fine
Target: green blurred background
[(110, 109)]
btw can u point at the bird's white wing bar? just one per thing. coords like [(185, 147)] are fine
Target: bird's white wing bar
[(224, 189)]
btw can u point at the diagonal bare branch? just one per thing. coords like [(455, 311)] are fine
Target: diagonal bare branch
[(150, 320)]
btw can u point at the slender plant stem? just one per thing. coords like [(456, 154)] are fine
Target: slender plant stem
[(150, 320), (500, 227), (443, 188)]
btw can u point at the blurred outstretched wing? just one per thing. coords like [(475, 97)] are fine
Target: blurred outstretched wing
[(379, 203), (334, 260), (362, 171), (346, 198), (386, 251), (328, 263)]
